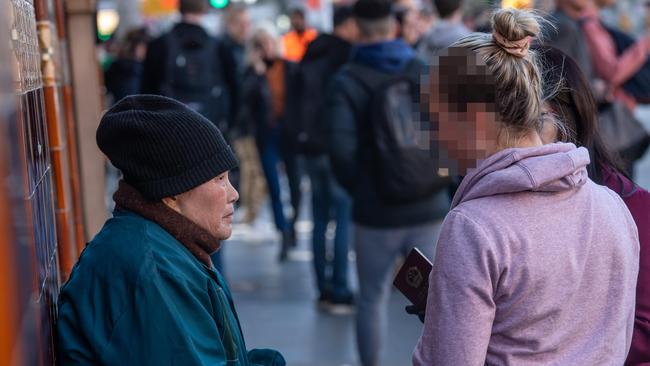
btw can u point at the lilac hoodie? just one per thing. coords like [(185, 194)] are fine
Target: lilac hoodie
[(535, 265)]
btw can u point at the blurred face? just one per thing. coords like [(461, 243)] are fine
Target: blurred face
[(410, 28), (238, 26), (210, 206), (465, 125), (348, 30), (266, 46), (468, 135), (574, 5), (298, 21)]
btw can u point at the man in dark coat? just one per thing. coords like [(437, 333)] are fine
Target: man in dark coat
[(191, 66), (324, 57)]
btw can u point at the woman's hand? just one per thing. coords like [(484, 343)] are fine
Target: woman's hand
[(413, 310)]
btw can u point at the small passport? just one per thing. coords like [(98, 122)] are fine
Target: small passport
[(412, 280)]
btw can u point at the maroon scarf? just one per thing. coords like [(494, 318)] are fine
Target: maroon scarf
[(196, 239)]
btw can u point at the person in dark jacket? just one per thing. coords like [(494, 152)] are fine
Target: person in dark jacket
[(267, 93), (383, 231), (576, 109), (324, 57), (145, 291), (189, 36), (233, 53), (567, 34), (124, 75)]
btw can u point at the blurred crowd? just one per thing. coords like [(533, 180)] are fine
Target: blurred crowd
[(523, 118)]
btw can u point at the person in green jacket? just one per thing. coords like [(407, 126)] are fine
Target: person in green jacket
[(144, 291)]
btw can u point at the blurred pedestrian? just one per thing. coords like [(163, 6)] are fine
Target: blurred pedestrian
[(324, 57), (123, 78), (569, 99), (616, 69), (233, 54), (408, 26), (392, 212), (268, 93), (232, 43), (536, 264), (124, 75), (145, 291), (186, 64), (567, 35), (446, 30), (609, 65), (295, 42)]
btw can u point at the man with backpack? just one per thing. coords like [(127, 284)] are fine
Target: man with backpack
[(383, 159), (324, 56), (189, 65)]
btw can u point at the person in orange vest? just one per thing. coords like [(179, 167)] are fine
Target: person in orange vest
[(296, 41)]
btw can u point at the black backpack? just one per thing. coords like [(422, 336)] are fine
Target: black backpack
[(405, 159), (305, 126), (192, 75)]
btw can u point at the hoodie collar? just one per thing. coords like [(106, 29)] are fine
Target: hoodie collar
[(390, 56), (549, 168)]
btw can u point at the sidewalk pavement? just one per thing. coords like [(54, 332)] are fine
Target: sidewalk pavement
[(277, 308)]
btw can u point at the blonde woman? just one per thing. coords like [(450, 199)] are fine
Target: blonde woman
[(267, 95), (536, 264)]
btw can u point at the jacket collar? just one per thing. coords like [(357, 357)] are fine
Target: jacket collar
[(196, 239)]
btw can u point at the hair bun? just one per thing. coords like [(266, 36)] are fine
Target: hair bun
[(513, 30)]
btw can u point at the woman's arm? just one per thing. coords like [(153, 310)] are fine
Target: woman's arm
[(460, 306), (608, 64)]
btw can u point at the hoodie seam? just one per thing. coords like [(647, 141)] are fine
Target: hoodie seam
[(570, 176), (530, 176)]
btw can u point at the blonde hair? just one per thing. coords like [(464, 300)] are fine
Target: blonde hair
[(517, 78)]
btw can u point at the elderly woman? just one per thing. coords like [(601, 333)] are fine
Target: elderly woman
[(144, 291)]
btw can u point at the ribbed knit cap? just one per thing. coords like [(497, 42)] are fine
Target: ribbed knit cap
[(162, 147)]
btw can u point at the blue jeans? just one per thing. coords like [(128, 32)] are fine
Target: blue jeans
[(377, 250), (329, 201), (271, 155), (269, 150)]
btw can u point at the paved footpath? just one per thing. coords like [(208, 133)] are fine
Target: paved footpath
[(277, 307)]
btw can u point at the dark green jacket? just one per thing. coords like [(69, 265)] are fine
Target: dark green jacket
[(137, 296)]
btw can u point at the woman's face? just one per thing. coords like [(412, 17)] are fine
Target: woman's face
[(466, 123), (210, 205), (266, 45), (467, 135)]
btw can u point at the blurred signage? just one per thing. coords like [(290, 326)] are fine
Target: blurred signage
[(519, 4), (159, 7)]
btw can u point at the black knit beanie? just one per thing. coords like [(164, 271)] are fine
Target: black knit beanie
[(162, 147)]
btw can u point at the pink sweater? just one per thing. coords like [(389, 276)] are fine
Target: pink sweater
[(535, 265), (609, 66)]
